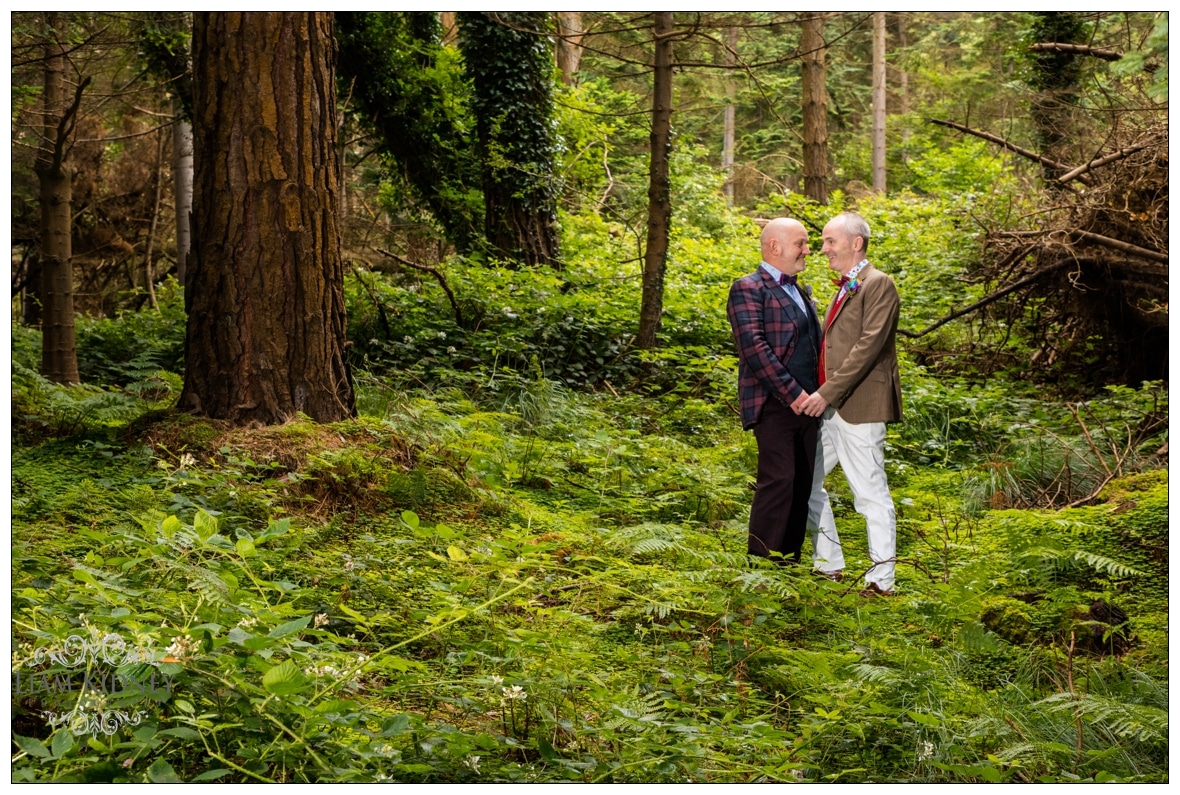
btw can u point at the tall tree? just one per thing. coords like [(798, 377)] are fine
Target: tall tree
[(266, 318), (879, 101), (507, 60), (659, 194), (815, 109), (569, 44), (59, 355), (727, 136)]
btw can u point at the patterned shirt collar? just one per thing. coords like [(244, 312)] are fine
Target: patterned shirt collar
[(860, 266)]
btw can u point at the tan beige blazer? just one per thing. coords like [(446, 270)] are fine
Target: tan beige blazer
[(861, 376)]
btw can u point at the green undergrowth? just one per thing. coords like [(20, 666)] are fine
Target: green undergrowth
[(544, 585)]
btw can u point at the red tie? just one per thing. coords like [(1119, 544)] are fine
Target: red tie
[(831, 316)]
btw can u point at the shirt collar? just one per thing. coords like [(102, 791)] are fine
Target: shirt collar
[(773, 271), (860, 266)]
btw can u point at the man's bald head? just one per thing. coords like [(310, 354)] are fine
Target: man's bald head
[(784, 245), (776, 229)]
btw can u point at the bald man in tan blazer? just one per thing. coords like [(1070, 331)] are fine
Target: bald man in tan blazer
[(859, 393)]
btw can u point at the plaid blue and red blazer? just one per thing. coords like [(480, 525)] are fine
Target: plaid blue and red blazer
[(762, 316)]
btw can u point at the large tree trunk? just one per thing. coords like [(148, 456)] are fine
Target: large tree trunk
[(266, 318), (659, 195), (879, 101), (728, 133), (815, 110), (182, 188), (569, 44), (506, 57), (59, 356)]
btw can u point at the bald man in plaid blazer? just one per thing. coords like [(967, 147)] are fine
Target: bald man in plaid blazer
[(777, 334)]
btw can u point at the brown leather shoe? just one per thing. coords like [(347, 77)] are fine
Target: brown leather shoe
[(875, 590), (834, 576)]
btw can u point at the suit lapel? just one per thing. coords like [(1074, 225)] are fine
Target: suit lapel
[(847, 299)]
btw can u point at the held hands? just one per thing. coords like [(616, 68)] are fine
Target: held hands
[(797, 405), (813, 406)]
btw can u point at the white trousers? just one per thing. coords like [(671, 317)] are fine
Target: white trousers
[(860, 450)]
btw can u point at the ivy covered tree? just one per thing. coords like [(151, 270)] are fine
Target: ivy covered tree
[(1056, 77), (508, 60)]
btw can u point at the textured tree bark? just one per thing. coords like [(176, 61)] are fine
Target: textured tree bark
[(659, 198), (266, 317), (815, 109), (182, 188), (879, 101), (59, 355), (727, 139), (569, 44)]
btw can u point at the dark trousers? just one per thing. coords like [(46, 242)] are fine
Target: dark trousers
[(786, 465)]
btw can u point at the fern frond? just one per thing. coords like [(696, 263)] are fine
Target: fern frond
[(1065, 557), (878, 674), (1127, 721)]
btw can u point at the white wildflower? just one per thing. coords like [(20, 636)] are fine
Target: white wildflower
[(497, 680), (182, 647), (321, 619), (472, 762), (925, 750), (514, 693), (187, 461)]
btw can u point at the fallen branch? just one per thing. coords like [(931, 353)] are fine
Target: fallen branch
[(995, 139), (1077, 49), (442, 281), (1102, 240), (1126, 248), (1099, 162)]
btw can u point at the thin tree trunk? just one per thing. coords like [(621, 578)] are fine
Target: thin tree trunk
[(903, 77), (728, 134), (879, 101), (59, 355), (815, 110), (569, 44), (659, 199), (149, 277), (266, 329), (182, 187), (450, 28)]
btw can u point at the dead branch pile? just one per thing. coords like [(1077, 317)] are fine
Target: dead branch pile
[(1087, 279)]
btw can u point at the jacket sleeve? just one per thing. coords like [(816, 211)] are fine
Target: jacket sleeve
[(753, 346), (882, 308)]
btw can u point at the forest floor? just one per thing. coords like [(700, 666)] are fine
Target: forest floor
[(555, 588)]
